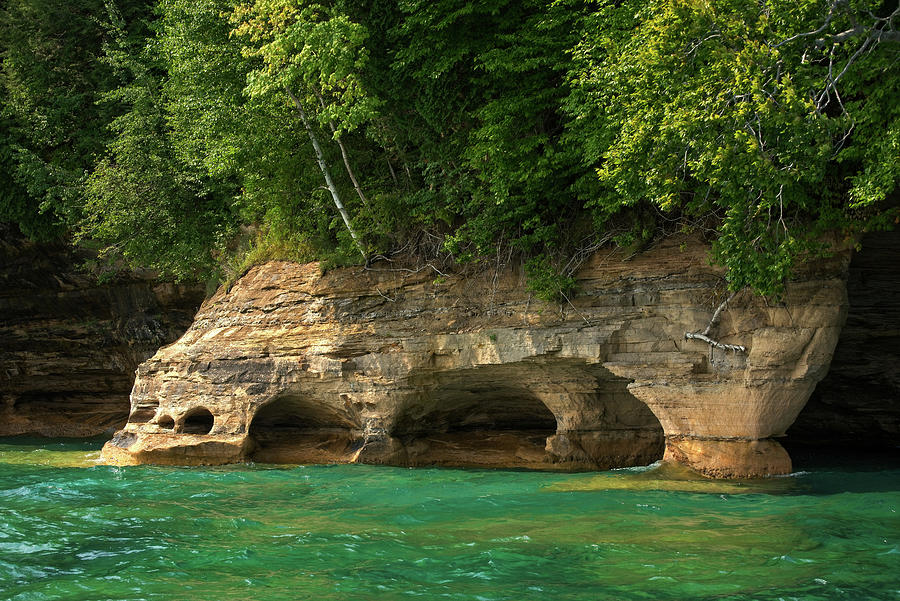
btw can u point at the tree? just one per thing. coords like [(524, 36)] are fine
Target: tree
[(54, 128), (770, 123), (489, 80), (313, 54), (539, 129), (143, 200)]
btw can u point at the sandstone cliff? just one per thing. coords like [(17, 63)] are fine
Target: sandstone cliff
[(69, 345), (401, 367)]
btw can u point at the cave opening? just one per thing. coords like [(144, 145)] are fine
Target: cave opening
[(143, 413), (165, 422), (198, 421), (294, 429), (476, 421), (554, 415)]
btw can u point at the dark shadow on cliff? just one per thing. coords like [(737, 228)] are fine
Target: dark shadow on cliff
[(857, 405)]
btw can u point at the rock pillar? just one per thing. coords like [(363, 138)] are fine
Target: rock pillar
[(722, 415)]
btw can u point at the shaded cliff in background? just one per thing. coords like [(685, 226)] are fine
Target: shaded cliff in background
[(69, 345), (858, 402)]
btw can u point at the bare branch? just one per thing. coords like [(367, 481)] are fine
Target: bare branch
[(887, 35), (717, 314), (393, 173), (822, 28), (385, 296), (714, 343), (834, 80), (412, 271), (704, 336), (886, 32), (582, 315)]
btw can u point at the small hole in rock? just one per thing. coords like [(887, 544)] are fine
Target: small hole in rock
[(142, 414), (198, 421)]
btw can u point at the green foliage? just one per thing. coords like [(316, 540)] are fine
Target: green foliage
[(162, 130), (142, 200), (207, 115), (489, 82), (312, 49), (53, 126), (16, 206), (546, 281), (274, 243), (733, 109)]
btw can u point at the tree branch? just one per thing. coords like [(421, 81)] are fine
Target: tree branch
[(726, 347), (822, 28), (717, 314), (884, 34), (344, 156), (704, 336)]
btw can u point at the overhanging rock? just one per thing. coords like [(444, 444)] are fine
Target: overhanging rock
[(395, 367)]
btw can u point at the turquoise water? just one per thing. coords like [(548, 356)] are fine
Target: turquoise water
[(70, 529)]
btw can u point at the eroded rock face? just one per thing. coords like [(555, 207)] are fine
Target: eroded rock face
[(395, 367), (69, 346)]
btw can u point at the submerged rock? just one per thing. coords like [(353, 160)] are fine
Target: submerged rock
[(397, 367)]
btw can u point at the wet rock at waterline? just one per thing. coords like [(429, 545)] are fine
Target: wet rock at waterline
[(400, 367)]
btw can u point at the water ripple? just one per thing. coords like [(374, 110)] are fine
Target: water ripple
[(361, 532)]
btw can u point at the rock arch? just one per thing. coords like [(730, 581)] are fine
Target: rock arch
[(471, 419), (602, 424), (542, 414), (293, 428), (375, 368)]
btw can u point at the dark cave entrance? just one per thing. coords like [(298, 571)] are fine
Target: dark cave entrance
[(474, 421), (293, 429), (198, 421), (554, 415)]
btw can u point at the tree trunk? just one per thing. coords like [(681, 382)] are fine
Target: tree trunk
[(325, 172), (344, 156)]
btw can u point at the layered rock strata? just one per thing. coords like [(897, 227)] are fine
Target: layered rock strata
[(405, 368), (70, 345)]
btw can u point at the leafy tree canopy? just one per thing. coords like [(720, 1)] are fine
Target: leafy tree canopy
[(195, 135), (772, 122)]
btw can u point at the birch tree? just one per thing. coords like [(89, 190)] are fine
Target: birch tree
[(313, 55)]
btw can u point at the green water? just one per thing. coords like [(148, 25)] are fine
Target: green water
[(70, 529)]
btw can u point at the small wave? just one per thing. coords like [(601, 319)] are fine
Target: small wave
[(792, 474), (509, 539), (26, 548), (638, 469)]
